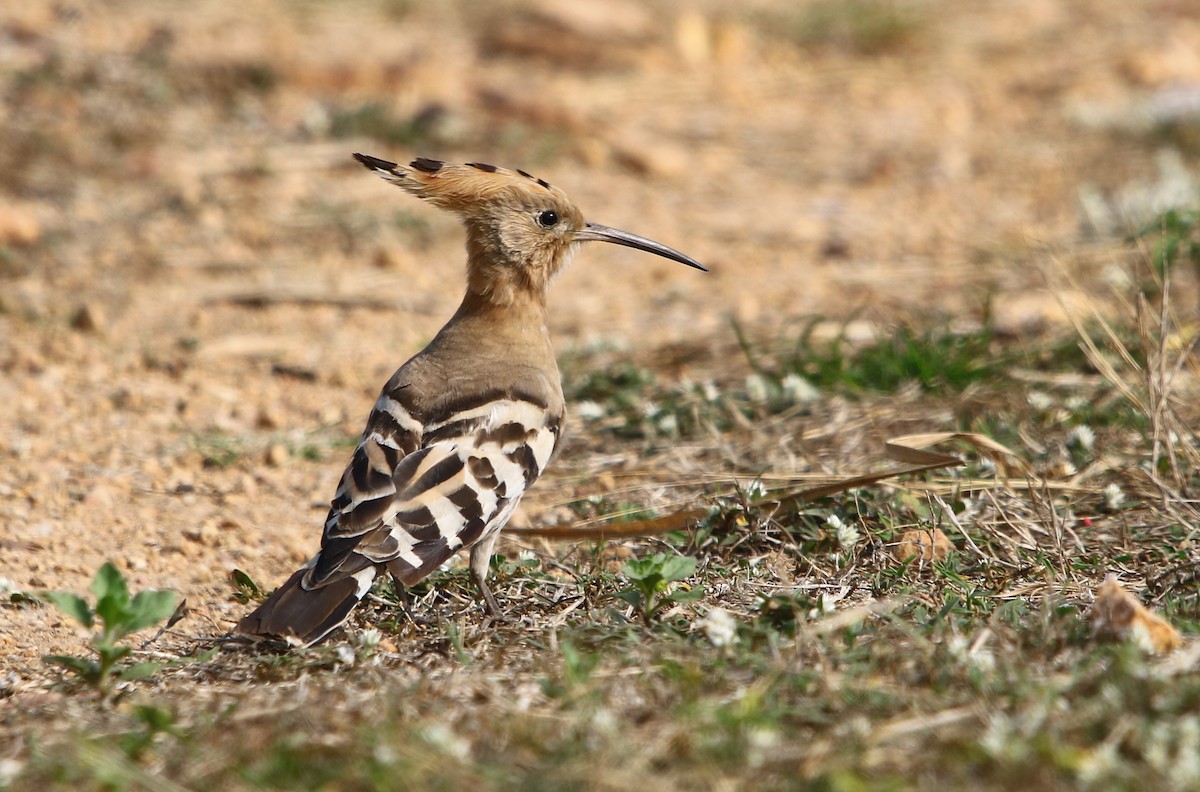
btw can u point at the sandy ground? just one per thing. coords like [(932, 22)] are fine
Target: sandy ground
[(200, 292)]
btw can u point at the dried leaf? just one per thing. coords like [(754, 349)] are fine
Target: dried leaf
[(1119, 614), (912, 450), (676, 521), (923, 545)]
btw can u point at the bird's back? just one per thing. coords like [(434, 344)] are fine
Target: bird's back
[(445, 457)]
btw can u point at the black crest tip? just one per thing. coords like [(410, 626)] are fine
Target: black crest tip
[(483, 166), (427, 165), (531, 177), (374, 163)]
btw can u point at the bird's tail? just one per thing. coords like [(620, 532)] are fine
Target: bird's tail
[(303, 616)]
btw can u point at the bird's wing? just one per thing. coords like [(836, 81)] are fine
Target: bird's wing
[(414, 494)]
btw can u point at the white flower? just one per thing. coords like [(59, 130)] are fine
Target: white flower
[(1113, 497), (720, 626), (798, 390), (761, 742), (345, 655), (847, 535), (1082, 437), (1157, 748), (589, 410), (605, 722), (1002, 739), (385, 754), (1039, 401), (1173, 749), (1186, 770), (1098, 765), (962, 651), (1064, 467), (650, 409), (1117, 278), (668, 424), (709, 389), (9, 770), (369, 638), (825, 606), (756, 490), (756, 389), (442, 737)]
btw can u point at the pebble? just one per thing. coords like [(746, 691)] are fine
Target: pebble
[(89, 318), (18, 226), (277, 455)]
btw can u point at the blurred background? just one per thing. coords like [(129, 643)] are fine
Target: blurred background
[(188, 253), (824, 157)]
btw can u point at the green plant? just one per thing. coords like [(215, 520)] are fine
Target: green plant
[(934, 358), (577, 668), (376, 120), (219, 450), (652, 576), (118, 616), (1177, 238), (862, 27), (244, 588), (153, 722)]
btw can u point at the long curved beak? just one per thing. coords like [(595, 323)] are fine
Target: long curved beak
[(594, 232)]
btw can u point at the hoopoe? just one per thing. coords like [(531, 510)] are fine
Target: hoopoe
[(466, 426)]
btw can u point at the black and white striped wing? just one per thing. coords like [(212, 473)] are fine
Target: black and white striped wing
[(461, 480)]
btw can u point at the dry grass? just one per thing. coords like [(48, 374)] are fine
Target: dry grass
[(813, 653)]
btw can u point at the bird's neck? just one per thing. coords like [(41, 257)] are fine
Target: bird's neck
[(500, 277), (507, 306), (519, 320)]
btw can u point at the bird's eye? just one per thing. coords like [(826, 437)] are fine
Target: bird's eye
[(548, 218)]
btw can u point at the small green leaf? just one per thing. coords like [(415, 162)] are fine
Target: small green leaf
[(632, 596), (148, 609), (24, 599), (678, 568), (638, 569), (112, 599), (694, 594), (139, 671), (577, 666), (112, 615), (109, 583), (85, 668), (156, 719), (244, 584), (73, 605), (111, 653)]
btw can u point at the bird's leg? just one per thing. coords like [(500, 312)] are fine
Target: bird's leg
[(404, 598), (481, 560)]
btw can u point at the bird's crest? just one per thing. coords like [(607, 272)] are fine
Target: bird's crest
[(464, 189)]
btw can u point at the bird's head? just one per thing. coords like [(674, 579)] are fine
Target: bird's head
[(520, 229)]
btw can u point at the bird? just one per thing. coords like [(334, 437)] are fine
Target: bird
[(463, 429)]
